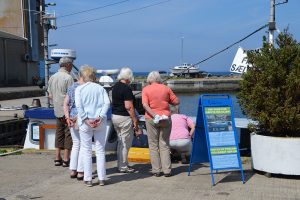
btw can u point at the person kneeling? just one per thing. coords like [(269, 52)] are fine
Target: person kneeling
[(181, 134)]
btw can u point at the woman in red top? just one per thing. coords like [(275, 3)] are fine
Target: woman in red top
[(156, 98)]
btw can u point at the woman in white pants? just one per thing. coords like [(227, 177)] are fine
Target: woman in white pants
[(92, 104), (70, 111)]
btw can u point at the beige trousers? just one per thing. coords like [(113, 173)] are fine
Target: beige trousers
[(158, 138), (124, 128)]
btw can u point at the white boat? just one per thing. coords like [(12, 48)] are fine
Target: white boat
[(185, 69), (108, 71)]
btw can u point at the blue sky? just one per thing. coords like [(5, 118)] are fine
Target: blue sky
[(150, 39)]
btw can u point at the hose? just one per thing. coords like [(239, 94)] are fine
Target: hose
[(10, 153)]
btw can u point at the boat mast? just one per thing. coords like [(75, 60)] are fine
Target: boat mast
[(181, 61)]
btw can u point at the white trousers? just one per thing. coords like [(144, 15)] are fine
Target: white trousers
[(86, 134), (181, 145), (76, 162)]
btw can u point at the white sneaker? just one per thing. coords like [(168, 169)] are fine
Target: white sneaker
[(88, 183), (127, 170), (101, 182)]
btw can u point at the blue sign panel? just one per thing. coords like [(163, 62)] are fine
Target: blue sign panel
[(219, 128)]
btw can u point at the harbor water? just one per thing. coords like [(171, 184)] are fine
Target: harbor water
[(189, 104)]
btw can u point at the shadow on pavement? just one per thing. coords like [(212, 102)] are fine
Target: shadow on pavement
[(236, 176), (281, 176), (185, 168), (142, 171), (108, 158), (195, 167)]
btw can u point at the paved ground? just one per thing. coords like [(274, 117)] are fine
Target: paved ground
[(33, 176)]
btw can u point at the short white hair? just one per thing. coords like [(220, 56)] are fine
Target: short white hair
[(126, 74), (154, 76), (65, 60)]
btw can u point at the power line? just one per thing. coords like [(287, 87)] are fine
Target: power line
[(228, 47), (92, 9), (109, 16)]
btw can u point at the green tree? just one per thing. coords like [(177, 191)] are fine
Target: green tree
[(270, 90)]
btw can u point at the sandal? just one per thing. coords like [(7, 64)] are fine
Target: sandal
[(73, 175), (66, 163), (80, 176), (58, 162)]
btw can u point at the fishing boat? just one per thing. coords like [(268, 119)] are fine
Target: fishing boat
[(42, 124), (42, 127)]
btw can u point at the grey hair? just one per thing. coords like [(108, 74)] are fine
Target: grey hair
[(154, 76), (65, 60), (87, 73), (125, 74)]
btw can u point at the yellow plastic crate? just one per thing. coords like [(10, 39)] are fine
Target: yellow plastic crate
[(139, 155)]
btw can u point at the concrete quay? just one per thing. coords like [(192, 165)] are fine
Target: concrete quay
[(34, 176), (7, 93), (205, 84), (210, 84)]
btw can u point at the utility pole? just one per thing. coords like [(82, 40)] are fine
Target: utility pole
[(48, 22), (272, 23), (45, 32)]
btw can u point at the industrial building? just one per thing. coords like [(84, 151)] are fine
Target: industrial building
[(21, 36)]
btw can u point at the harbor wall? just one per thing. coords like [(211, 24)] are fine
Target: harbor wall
[(10, 93), (204, 85)]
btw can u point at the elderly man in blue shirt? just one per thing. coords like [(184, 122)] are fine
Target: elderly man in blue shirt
[(92, 103)]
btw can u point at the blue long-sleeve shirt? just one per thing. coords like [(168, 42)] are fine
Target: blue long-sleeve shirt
[(91, 101)]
